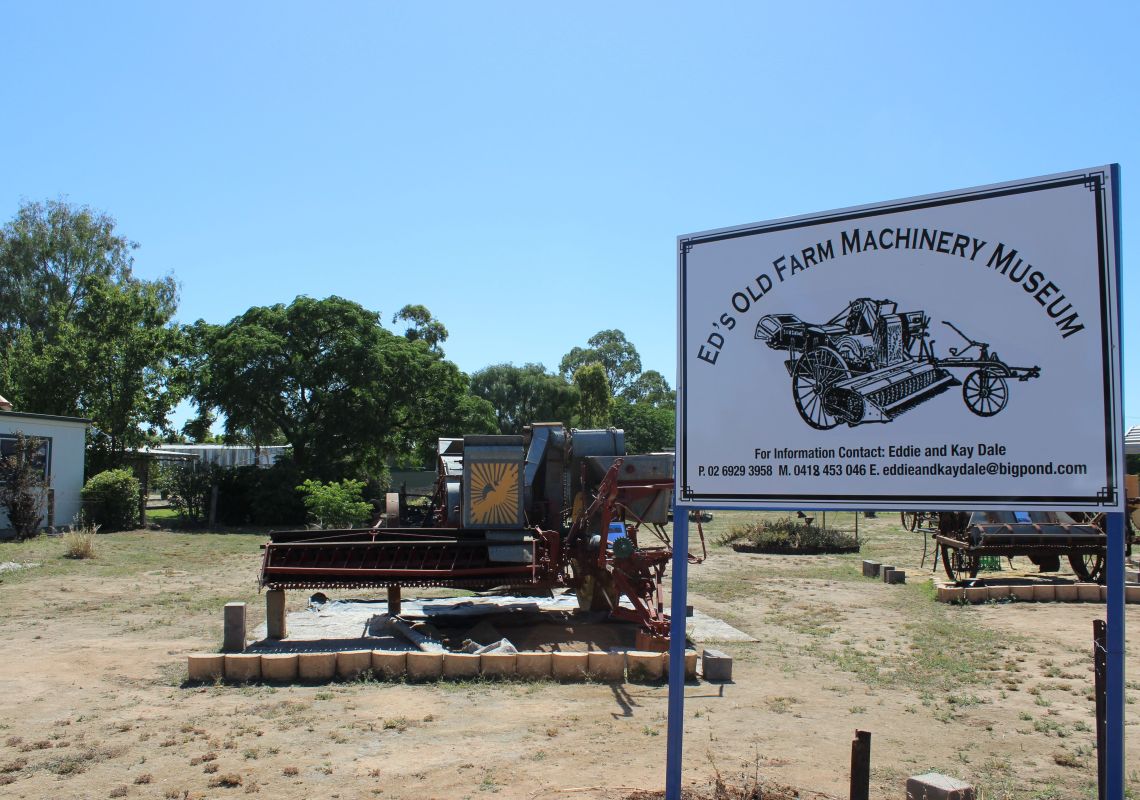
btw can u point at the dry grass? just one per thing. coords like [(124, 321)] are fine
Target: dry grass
[(80, 543)]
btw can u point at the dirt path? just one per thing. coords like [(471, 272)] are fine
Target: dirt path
[(92, 702)]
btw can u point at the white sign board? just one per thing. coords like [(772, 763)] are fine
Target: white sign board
[(958, 350)]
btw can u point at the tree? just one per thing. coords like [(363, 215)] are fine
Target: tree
[(79, 334), (610, 349), (648, 428), (422, 326), (522, 395), (593, 395), (652, 388), (346, 393)]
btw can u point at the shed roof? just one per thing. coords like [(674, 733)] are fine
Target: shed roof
[(1132, 441)]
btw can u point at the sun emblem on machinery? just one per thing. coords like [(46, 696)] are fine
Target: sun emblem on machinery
[(870, 363), (495, 493)]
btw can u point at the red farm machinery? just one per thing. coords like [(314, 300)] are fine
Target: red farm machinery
[(551, 508)]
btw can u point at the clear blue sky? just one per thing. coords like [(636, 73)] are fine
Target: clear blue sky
[(523, 169)]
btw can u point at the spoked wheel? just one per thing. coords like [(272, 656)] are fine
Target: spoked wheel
[(959, 565), (1087, 566), (813, 383), (985, 392), (909, 519)]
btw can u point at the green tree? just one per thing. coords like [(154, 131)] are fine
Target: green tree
[(422, 326), (614, 352), (79, 334), (652, 388), (346, 393), (593, 396), (648, 428), (522, 395)]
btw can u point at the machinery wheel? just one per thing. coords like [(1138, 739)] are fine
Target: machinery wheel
[(959, 565), (985, 392), (1087, 566), (909, 519), (813, 380)]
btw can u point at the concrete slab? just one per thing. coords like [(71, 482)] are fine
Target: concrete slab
[(497, 665), (460, 665), (350, 664), (609, 667), (934, 786), (389, 663), (716, 666), (424, 666), (242, 667), (569, 666), (316, 666), (279, 667), (644, 665), (535, 666), (206, 666), (234, 630)]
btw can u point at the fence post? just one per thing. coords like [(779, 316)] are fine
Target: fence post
[(861, 766)]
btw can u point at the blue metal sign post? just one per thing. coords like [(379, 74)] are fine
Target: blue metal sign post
[(677, 607)]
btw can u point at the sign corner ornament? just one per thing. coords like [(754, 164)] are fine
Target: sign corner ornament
[(957, 350)]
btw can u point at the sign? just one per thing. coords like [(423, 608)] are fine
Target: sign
[(958, 350)]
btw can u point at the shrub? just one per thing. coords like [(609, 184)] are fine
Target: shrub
[(336, 504), (786, 535), (22, 486), (260, 496), (189, 488), (111, 500)]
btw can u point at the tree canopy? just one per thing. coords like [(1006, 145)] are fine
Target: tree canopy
[(346, 393), (79, 334), (526, 394), (614, 352)]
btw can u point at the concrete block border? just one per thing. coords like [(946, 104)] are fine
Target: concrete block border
[(321, 667), (1033, 593)]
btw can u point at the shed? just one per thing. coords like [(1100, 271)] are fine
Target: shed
[(1132, 441), (64, 439)]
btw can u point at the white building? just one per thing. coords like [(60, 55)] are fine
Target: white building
[(228, 455), (64, 439)]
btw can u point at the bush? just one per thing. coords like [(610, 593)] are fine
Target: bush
[(188, 488), (23, 490), (336, 504), (260, 496), (111, 500), (786, 535)]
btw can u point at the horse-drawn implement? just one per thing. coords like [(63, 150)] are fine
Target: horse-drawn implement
[(870, 363)]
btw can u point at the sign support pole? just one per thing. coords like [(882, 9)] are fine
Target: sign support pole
[(1114, 653), (678, 605)]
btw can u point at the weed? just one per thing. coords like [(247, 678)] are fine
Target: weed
[(118, 791), (289, 771), (80, 543), (399, 724), (146, 777), (230, 780)]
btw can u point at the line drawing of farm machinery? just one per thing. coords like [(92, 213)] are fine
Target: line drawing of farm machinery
[(870, 363), (551, 508)]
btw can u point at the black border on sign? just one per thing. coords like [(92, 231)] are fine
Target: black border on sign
[(1108, 496)]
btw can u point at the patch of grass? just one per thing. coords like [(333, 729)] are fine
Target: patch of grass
[(399, 724), (80, 543)]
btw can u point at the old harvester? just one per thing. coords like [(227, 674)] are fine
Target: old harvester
[(550, 508)]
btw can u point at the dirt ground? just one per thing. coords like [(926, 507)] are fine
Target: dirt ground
[(93, 700)]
